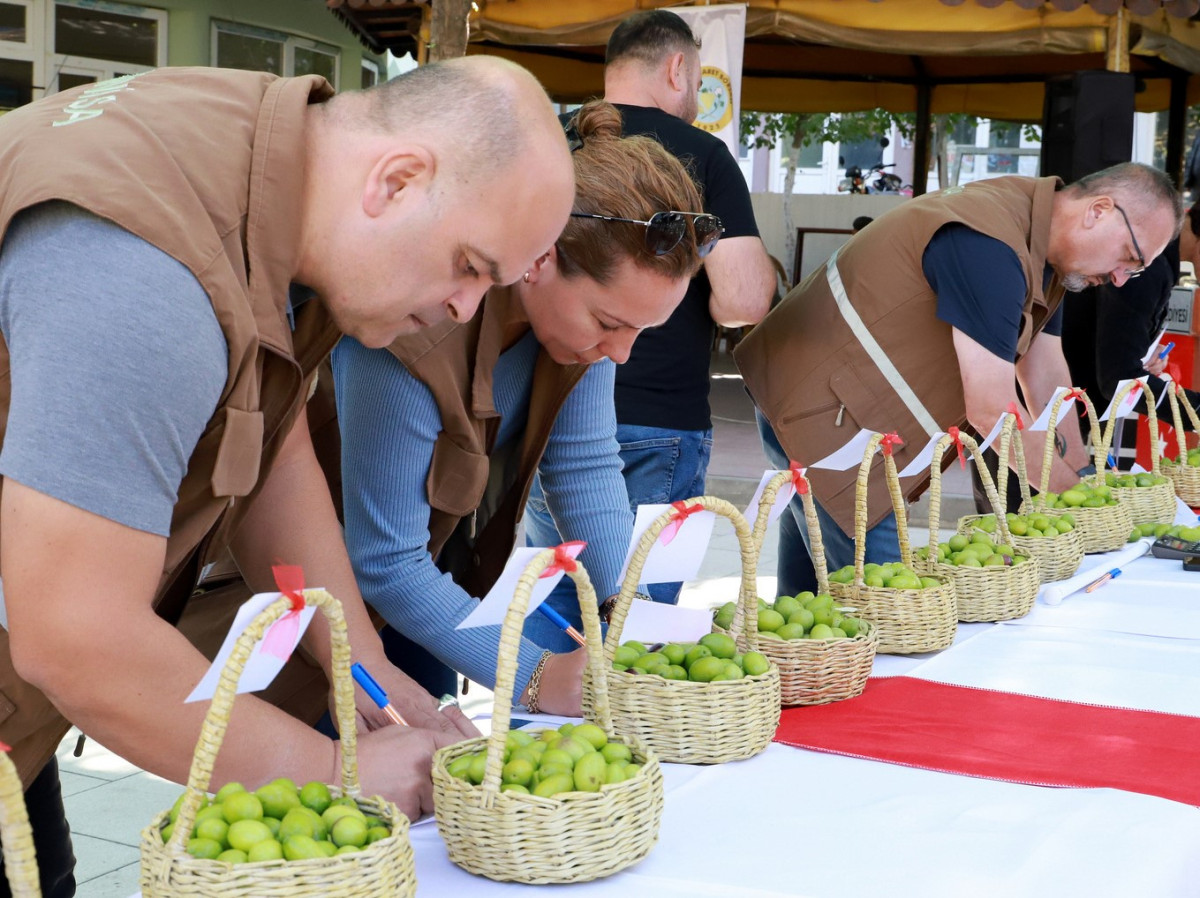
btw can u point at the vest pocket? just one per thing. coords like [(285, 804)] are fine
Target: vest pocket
[(239, 456), (457, 477)]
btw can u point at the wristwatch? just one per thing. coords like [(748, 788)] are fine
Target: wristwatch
[(607, 606)]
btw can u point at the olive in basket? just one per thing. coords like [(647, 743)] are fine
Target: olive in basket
[(573, 758), (1082, 495), (1192, 460), (1143, 479), (802, 616), (892, 575), (1034, 524), (277, 821), (711, 658), (978, 550), (1140, 531)]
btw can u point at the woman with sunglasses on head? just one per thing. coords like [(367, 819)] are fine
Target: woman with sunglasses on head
[(443, 431)]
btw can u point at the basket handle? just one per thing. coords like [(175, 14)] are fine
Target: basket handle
[(935, 490), (16, 836), (1174, 390), (216, 722), (510, 645), (892, 478), (1007, 432), (748, 595), (1111, 426), (1052, 428), (770, 491)]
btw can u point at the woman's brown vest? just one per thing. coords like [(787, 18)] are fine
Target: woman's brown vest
[(207, 165), (477, 492), (819, 369)]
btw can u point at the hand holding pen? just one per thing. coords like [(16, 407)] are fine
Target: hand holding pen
[(376, 693)]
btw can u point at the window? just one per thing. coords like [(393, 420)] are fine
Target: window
[(92, 41), (1003, 134), (14, 27), (238, 46), (16, 83), (103, 33), (370, 73), (811, 155)]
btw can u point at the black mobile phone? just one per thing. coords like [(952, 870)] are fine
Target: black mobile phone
[(1191, 563)]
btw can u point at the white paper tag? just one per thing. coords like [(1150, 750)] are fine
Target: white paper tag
[(924, 458), (262, 667), (1154, 347), (849, 456), (1126, 405), (1184, 516), (782, 498), (651, 622), (495, 604), (679, 550), (1043, 420), (994, 432)]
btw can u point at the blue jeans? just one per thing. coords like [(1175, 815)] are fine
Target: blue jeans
[(660, 466), (794, 543)]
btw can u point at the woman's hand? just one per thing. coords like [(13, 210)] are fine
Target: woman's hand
[(561, 691)]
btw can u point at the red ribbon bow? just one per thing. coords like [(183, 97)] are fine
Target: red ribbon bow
[(564, 559), (680, 514), (5, 747), (1016, 412), (281, 636), (1077, 393), (799, 481), (890, 440), (958, 443)]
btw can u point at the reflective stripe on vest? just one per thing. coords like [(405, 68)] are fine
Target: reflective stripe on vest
[(875, 351)]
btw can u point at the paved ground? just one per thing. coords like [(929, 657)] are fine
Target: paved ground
[(109, 801)]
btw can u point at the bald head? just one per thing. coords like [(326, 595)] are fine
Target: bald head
[(424, 191)]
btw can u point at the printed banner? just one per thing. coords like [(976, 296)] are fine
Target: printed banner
[(722, 34)]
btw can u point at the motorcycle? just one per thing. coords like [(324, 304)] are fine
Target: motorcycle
[(876, 180)]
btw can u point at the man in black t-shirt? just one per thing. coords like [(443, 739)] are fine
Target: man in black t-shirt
[(664, 426)]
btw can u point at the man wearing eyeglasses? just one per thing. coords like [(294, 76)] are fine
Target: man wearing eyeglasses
[(931, 317), (664, 424)]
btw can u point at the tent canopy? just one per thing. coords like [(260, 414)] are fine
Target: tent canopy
[(850, 55)]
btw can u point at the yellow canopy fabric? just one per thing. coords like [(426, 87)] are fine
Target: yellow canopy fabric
[(847, 55)]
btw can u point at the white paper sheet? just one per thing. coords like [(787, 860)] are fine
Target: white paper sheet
[(678, 552), (1092, 567), (782, 498), (1043, 419), (261, 668), (923, 459), (1125, 406), (494, 607), (849, 456), (651, 622)]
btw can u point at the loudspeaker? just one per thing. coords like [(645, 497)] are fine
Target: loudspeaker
[(1087, 123)]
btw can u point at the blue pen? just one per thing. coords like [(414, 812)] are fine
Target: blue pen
[(562, 623), (1102, 579), (1166, 350), (1112, 462), (375, 691)]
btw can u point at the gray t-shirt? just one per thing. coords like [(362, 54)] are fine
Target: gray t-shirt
[(117, 364)]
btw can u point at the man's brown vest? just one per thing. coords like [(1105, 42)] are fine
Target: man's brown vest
[(818, 381), (477, 492), (206, 165)]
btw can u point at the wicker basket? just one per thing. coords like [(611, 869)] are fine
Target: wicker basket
[(574, 837), (983, 593), (1185, 477), (1146, 504), (813, 671), (16, 837), (909, 620), (686, 722), (383, 868), (1101, 529), (1059, 556)]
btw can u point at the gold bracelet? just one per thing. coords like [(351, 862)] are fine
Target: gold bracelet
[(535, 684)]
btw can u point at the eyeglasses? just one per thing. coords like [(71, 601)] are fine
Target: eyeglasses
[(1137, 249), (664, 230)]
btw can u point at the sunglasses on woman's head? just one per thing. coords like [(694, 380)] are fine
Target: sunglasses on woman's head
[(664, 230)]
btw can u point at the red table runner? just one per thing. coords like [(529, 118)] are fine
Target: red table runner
[(999, 735)]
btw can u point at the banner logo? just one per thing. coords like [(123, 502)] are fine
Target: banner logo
[(715, 100)]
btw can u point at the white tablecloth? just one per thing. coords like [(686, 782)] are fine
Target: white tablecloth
[(795, 822)]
